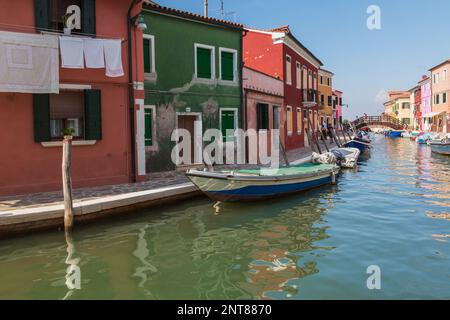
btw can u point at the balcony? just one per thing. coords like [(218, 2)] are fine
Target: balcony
[(309, 97)]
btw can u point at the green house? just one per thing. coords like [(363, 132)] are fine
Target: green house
[(193, 81)]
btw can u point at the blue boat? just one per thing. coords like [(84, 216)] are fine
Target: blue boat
[(424, 138), (441, 147), (395, 133), (252, 185), (356, 143)]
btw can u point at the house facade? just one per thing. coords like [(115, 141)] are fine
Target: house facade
[(414, 101), (440, 104), (425, 103), (193, 81), (95, 107), (337, 107), (279, 54), (263, 102), (325, 105)]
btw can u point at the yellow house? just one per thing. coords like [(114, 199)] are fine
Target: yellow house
[(325, 96)]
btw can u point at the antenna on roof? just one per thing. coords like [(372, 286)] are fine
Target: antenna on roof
[(205, 9), (223, 13)]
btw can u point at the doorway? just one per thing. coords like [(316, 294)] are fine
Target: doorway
[(192, 122)]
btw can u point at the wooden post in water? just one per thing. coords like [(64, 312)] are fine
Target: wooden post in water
[(324, 140), (67, 182), (343, 133), (336, 138), (313, 136)]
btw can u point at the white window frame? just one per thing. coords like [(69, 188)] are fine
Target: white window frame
[(213, 60), (236, 115), (298, 74), (235, 67), (152, 43), (445, 75), (290, 69)]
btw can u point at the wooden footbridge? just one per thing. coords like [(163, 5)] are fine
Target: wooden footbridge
[(378, 121)]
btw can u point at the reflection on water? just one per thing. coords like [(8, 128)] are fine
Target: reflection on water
[(393, 212)]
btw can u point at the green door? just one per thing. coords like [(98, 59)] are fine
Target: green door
[(228, 123)]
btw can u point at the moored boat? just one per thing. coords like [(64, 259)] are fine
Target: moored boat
[(251, 185), (441, 147), (363, 146), (343, 157), (395, 133)]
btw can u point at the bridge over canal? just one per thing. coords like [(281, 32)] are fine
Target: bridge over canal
[(377, 122)]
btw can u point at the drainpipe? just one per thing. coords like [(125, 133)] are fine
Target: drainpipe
[(131, 96)]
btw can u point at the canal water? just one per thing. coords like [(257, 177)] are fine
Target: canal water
[(393, 212)]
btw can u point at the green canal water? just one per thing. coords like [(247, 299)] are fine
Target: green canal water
[(394, 212)]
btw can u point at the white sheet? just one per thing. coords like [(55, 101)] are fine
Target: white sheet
[(93, 53), (28, 63), (113, 57), (72, 55)]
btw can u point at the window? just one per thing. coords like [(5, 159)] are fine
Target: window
[(148, 124), (49, 15), (436, 99), (340, 101), (288, 70), (228, 123), (310, 79), (299, 121), (289, 120), (204, 61), (149, 53), (305, 78), (228, 64), (321, 79), (322, 99), (77, 111), (299, 75), (330, 101), (444, 97), (445, 75), (329, 82), (276, 117), (262, 114)]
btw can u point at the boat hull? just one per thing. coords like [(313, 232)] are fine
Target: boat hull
[(361, 146), (237, 189), (395, 134), (440, 148)]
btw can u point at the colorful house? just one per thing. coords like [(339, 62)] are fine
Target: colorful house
[(337, 107), (425, 103), (414, 102), (91, 102), (263, 101), (193, 81), (325, 105), (398, 106), (440, 104), (280, 54)]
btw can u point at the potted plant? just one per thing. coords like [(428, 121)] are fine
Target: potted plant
[(68, 132), (67, 29)]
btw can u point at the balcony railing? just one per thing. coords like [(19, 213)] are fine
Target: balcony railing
[(310, 96)]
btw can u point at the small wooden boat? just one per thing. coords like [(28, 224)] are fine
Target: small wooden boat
[(363, 146), (251, 185), (343, 157), (395, 133), (423, 138), (441, 147)]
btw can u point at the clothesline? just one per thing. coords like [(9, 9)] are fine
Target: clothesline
[(52, 31)]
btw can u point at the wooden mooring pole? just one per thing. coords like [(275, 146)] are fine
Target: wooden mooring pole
[(67, 182)]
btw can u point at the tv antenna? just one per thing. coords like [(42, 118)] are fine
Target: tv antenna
[(223, 13)]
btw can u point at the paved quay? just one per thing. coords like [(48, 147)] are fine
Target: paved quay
[(19, 214)]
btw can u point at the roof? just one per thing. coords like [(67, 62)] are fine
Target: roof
[(440, 64), (326, 71), (287, 32), (152, 6)]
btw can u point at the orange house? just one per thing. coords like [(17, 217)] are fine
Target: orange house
[(99, 109)]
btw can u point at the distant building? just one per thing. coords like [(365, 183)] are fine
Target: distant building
[(414, 101), (325, 106), (399, 106), (440, 105), (337, 107), (425, 103)]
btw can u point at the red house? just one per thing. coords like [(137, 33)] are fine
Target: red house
[(280, 54)]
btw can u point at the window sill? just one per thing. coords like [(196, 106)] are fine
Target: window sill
[(228, 83), (152, 77), (53, 144), (204, 80)]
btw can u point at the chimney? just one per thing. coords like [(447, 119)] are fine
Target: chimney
[(206, 9), (424, 77)]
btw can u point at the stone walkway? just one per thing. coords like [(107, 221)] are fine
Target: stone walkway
[(155, 181)]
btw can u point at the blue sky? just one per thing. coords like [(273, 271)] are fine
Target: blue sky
[(414, 36)]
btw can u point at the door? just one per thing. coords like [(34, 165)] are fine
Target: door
[(187, 122)]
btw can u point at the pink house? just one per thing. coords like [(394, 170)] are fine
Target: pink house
[(425, 106)]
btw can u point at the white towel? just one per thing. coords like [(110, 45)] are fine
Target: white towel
[(71, 52), (93, 53), (113, 57)]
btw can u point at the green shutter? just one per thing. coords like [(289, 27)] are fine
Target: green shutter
[(88, 17), (41, 14), (204, 63), (92, 115), (227, 122), (147, 56), (227, 61), (148, 128), (41, 117)]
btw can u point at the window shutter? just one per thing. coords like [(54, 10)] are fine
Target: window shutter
[(41, 117), (227, 66), (147, 50), (204, 63), (148, 128), (88, 17), (93, 114), (41, 14)]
